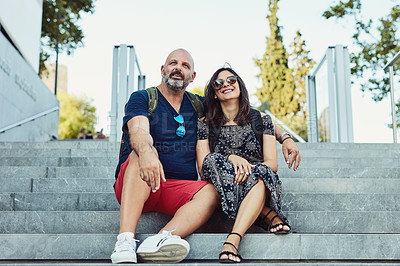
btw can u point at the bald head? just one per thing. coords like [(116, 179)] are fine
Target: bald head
[(181, 53)]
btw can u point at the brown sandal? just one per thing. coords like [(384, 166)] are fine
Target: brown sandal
[(230, 252)]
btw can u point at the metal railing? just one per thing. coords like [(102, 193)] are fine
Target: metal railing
[(31, 118), (285, 127), (389, 66), (124, 59)]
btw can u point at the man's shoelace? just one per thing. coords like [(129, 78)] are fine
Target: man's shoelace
[(168, 234), (126, 243)]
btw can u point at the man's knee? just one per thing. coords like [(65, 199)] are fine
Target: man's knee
[(208, 195)]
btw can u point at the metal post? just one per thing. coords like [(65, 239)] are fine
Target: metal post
[(312, 110), (114, 96), (131, 76), (56, 73), (343, 95), (141, 82), (333, 117), (122, 87), (394, 120)]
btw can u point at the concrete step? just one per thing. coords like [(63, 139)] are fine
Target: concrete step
[(102, 144), (106, 201), (339, 172), (319, 185), (109, 171), (341, 185), (99, 222), (75, 201), (49, 153), (303, 247), (57, 172), (105, 161), (113, 152), (73, 144)]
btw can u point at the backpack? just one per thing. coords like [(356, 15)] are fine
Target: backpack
[(194, 100), (256, 124), (152, 92)]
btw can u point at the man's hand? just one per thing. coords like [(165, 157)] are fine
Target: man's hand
[(291, 153), (150, 169)]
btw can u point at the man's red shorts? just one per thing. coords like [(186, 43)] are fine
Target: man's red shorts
[(171, 195)]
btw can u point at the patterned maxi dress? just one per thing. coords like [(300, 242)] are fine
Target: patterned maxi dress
[(241, 141)]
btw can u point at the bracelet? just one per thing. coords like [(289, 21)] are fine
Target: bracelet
[(290, 137), (281, 136)]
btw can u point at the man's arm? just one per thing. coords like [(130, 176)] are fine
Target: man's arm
[(150, 167), (289, 148)]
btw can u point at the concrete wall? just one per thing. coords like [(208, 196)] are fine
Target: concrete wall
[(22, 95), (22, 20)]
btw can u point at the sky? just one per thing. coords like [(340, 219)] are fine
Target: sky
[(214, 32)]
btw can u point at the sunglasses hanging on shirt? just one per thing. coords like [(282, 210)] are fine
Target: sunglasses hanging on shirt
[(180, 131)]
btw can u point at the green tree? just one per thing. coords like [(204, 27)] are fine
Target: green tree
[(283, 87), (376, 41), (59, 27), (75, 113), (277, 82)]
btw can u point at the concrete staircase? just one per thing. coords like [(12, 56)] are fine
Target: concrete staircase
[(58, 207)]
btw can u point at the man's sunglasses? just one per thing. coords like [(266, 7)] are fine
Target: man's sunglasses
[(219, 83), (180, 131)]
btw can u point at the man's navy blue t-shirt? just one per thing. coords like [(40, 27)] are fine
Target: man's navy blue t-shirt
[(177, 154)]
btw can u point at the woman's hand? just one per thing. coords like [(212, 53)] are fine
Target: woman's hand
[(242, 168)]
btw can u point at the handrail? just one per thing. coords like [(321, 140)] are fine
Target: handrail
[(392, 62), (389, 66), (285, 127), (29, 119)]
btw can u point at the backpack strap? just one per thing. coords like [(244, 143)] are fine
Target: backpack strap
[(153, 99), (213, 134), (196, 103), (257, 125)]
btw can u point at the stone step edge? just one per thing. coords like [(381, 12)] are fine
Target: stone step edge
[(207, 246)]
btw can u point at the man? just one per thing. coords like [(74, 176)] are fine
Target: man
[(157, 168)]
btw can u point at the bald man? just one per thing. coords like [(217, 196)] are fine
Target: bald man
[(157, 169)]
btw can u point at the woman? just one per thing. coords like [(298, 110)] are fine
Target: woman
[(243, 172)]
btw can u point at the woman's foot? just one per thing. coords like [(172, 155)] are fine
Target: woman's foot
[(230, 251), (275, 223)]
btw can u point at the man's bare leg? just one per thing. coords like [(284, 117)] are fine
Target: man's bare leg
[(135, 192), (195, 213)]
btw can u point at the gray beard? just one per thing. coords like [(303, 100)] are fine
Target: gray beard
[(175, 84)]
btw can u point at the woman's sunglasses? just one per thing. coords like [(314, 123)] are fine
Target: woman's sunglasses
[(180, 131), (218, 83)]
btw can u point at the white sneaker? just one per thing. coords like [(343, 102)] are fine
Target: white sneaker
[(163, 248), (124, 250)]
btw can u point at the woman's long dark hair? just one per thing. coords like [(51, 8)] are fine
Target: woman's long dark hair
[(215, 117)]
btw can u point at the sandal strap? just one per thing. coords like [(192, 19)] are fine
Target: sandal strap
[(229, 243), (267, 214), (283, 224), (272, 220), (230, 253), (234, 233)]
